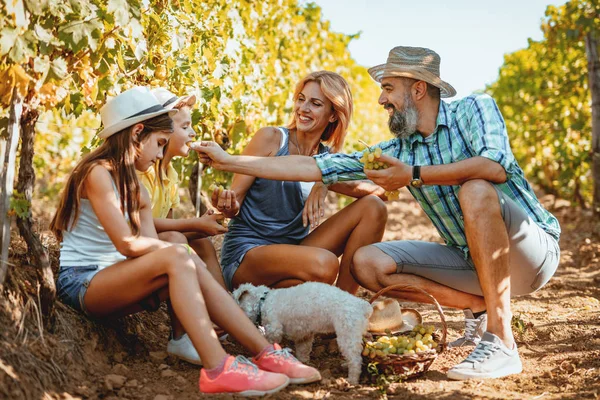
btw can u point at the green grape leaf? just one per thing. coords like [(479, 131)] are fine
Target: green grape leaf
[(8, 37), (79, 34)]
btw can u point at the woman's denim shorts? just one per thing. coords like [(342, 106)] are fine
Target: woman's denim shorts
[(72, 283)]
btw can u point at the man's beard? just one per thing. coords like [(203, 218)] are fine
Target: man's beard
[(403, 123)]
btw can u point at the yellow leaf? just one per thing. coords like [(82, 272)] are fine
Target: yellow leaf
[(21, 79), (12, 77), (120, 61), (237, 90), (5, 87)]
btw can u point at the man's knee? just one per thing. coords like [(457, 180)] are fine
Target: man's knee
[(172, 237), (369, 265), (477, 195)]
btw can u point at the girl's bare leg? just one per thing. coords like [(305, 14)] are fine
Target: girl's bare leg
[(202, 246), (206, 251), (176, 327), (125, 284), (226, 313)]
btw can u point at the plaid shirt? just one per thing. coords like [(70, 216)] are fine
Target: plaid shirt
[(469, 127)]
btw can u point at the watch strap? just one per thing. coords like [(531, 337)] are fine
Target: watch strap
[(416, 172)]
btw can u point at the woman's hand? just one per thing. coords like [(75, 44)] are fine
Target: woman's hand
[(314, 208), (226, 202), (210, 153), (210, 224)]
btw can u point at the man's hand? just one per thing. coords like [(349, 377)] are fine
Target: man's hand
[(314, 208), (225, 201), (395, 176), (210, 153)]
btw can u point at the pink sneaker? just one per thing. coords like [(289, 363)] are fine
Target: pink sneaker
[(282, 361), (242, 377)]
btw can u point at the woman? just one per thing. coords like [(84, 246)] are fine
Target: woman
[(268, 242)]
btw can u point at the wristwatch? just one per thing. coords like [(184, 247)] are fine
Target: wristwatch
[(416, 181)]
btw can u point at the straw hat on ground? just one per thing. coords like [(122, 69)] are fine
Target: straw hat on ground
[(413, 62), (388, 315), (129, 108)]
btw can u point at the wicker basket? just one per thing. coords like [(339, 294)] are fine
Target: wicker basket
[(409, 365)]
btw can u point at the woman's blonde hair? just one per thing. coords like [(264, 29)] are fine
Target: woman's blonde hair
[(117, 154), (336, 89)]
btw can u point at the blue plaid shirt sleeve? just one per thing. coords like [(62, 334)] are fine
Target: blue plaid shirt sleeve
[(338, 167), (487, 131)]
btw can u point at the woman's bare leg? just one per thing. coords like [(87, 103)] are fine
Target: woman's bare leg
[(360, 224), (281, 265), (125, 284), (285, 265)]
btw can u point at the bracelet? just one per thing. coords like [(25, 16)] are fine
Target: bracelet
[(189, 248)]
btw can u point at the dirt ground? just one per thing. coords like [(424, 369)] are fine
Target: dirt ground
[(558, 333)]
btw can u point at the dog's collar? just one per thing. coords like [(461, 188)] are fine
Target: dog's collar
[(260, 304)]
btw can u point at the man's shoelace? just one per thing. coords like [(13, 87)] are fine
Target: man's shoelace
[(285, 353), (244, 365), (471, 329), (482, 351)]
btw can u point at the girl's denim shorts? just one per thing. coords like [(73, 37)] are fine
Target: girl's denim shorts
[(72, 283)]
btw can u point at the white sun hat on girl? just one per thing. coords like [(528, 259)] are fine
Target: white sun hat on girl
[(169, 100), (129, 108)]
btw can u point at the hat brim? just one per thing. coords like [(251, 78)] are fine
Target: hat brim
[(389, 71), (111, 130), (186, 100), (408, 319)]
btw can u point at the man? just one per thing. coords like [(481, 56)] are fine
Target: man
[(455, 159)]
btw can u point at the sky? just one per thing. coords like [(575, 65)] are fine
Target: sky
[(471, 36)]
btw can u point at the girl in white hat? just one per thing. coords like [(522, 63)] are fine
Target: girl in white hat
[(112, 263)]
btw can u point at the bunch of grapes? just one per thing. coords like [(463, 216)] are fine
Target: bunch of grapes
[(417, 341), (214, 187), (370, 159), (219, 188)]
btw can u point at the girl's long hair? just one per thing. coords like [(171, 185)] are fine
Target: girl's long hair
[(117, 154), (336, 89)]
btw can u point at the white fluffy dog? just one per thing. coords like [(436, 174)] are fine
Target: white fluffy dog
[(301, 311)]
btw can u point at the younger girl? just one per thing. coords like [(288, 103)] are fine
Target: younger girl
[(112, 261), (162, 183)]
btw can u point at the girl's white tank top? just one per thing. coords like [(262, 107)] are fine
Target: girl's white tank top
[(86, 243)]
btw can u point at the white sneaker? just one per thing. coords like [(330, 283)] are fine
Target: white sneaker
[(184, 349), (490, 359), (474, 328)]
